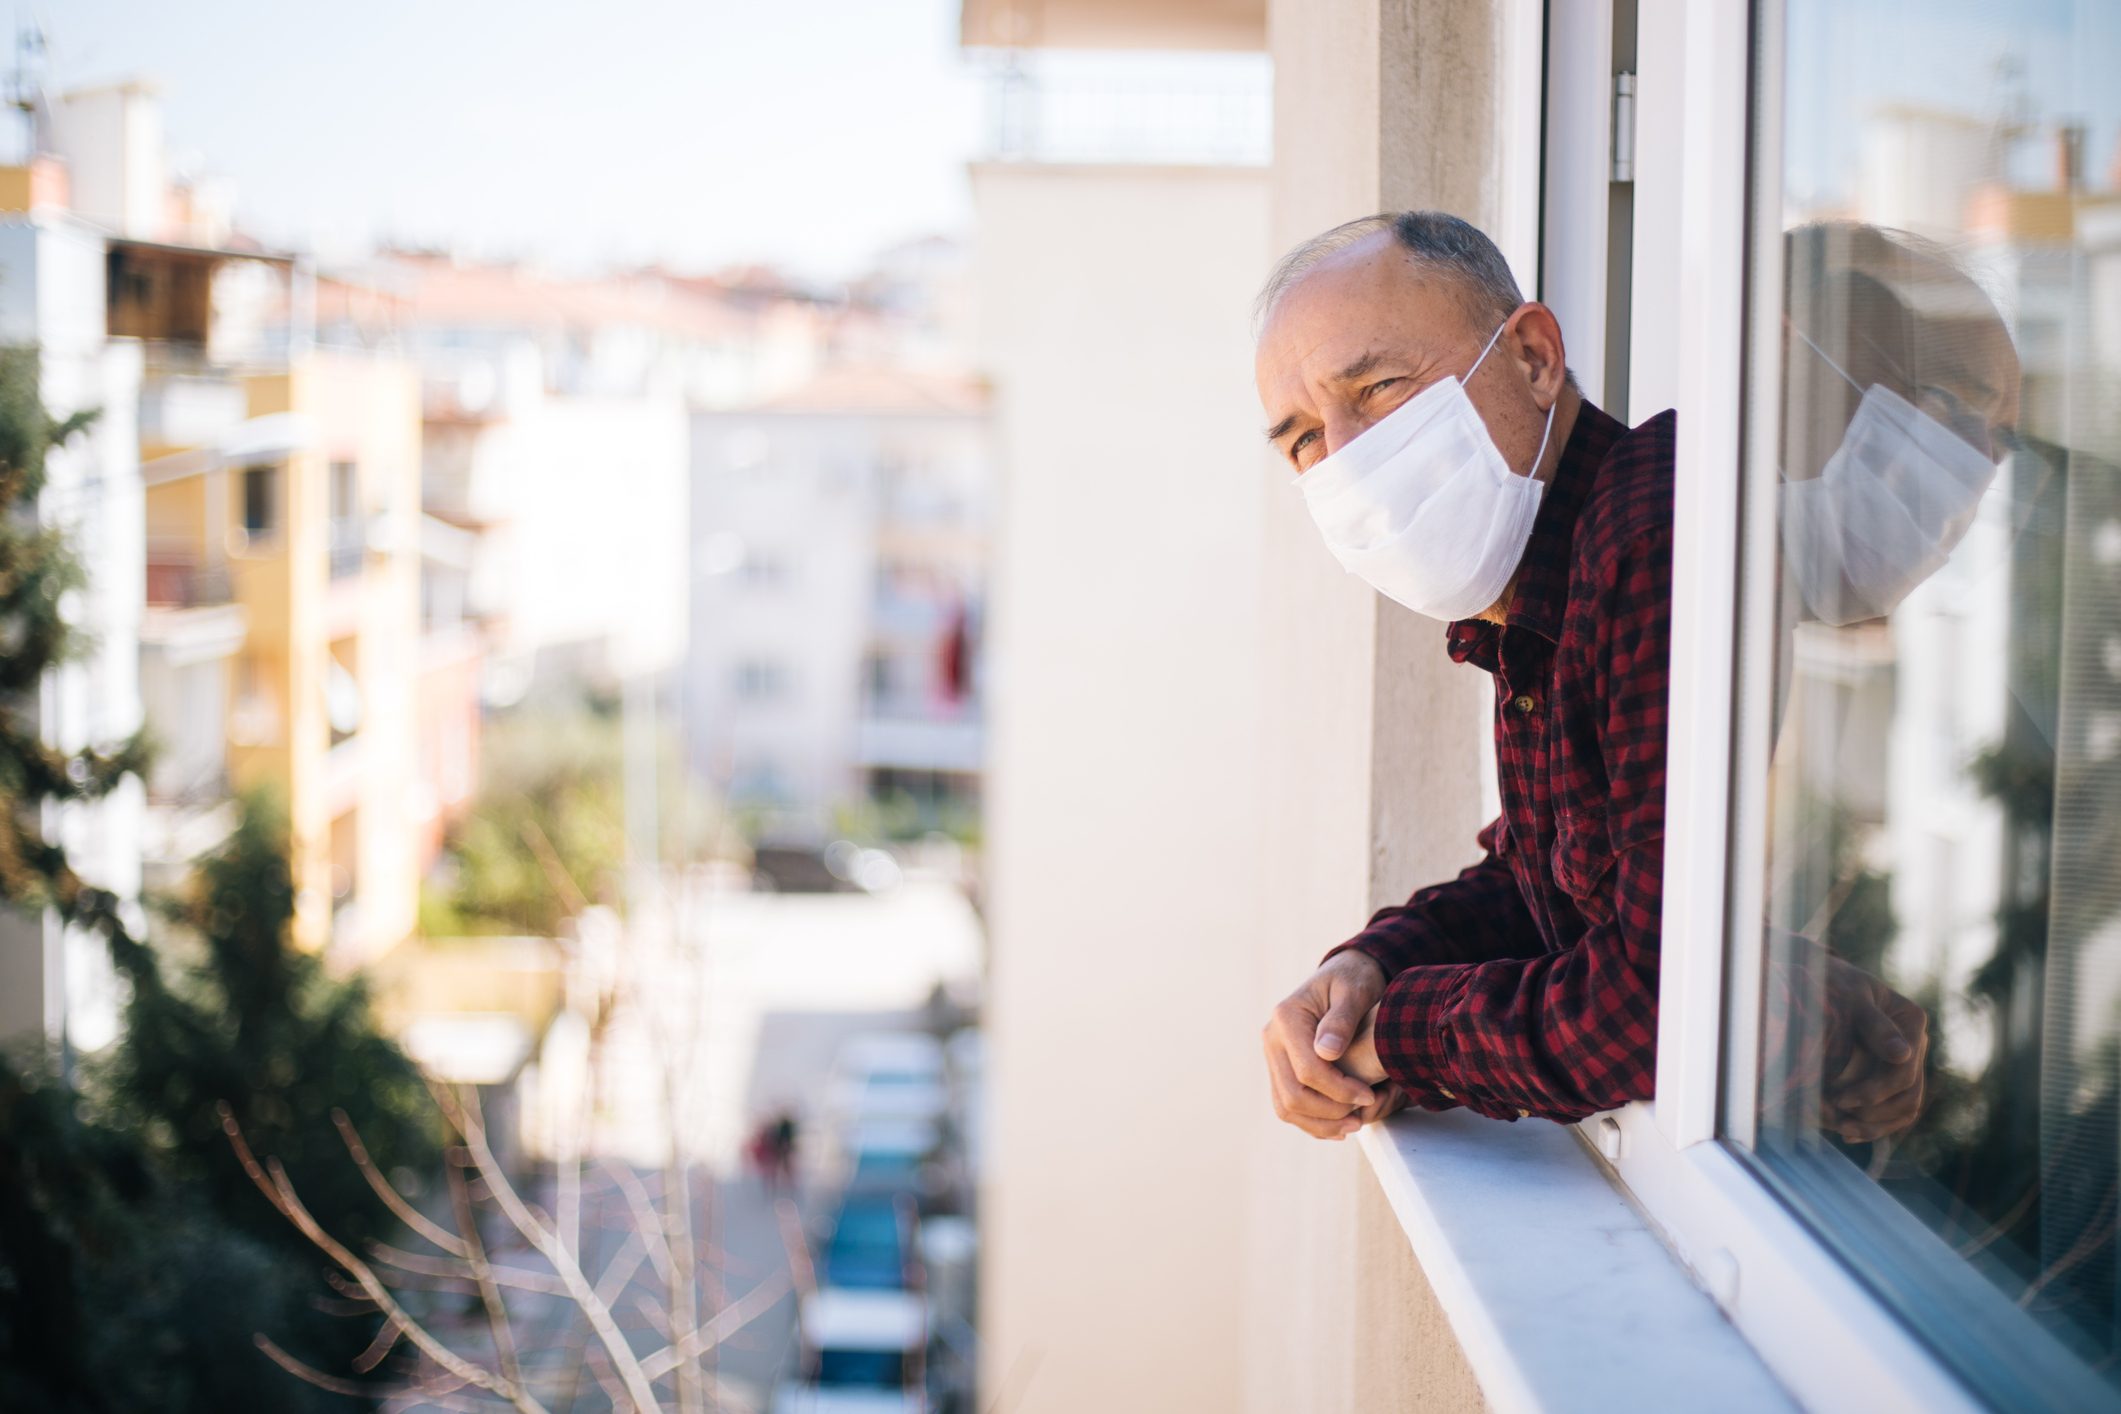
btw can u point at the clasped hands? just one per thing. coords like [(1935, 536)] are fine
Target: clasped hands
[(1322, 1055), (1323, 1070)]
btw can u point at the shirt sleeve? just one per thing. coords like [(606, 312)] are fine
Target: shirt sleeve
[(1478, 916), (1567, 1034)]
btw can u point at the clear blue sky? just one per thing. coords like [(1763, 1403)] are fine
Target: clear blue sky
[(693, 131)]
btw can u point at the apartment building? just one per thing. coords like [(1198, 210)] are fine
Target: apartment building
[(280, 644), (55, 983), (1266, 751), (840, 554), (555, 414)]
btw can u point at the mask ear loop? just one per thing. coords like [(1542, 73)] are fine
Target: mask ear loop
[(1539, 457), (1485, 351), (1827, 360)]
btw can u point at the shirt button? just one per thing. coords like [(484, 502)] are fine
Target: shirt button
[(1524, 1114), (1525, 705), (1445, 1093)]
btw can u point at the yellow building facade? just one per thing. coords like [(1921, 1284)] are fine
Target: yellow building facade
[(305, 514)]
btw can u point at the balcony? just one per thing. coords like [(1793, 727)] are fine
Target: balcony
[(1131, 110), (889, 740), (178, 580), (348, 548), (181, 409)]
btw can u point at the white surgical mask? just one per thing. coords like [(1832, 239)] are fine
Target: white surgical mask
[(1423, 508), (1886, 512)]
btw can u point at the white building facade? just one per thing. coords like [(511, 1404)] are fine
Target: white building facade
[(839, 543), (53, 981)]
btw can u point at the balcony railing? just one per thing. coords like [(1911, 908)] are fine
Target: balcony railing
[(347, 551), (1169, 110), (183, 583)]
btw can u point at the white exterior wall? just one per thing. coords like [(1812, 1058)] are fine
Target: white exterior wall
[(1123, 783), (111, 138), (798, 492), (51, 294), (597, 537)]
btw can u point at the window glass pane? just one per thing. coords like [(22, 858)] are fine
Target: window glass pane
[(1943, 809)]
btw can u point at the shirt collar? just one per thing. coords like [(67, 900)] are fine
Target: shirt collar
[(1543, 573)]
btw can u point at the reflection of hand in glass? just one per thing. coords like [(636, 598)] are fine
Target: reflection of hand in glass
[(1877, 1044)]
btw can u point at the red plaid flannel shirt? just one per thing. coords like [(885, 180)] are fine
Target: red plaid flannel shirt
[(1528, 984)]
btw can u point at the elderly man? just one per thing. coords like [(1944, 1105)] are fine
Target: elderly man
[(1449, 460)]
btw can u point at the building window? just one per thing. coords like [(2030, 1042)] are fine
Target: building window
[(765, 570), (345, 525), (1940, 815), (761, 680), (261, 501)]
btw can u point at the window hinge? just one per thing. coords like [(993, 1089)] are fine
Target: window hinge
[(1623, 127)]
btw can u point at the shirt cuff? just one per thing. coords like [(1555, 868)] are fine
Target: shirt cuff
[(1413, 1033)]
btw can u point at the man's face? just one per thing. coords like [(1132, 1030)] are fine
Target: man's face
[(1365, 330), (1961, 369)]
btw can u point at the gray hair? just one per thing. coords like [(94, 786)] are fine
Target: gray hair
[(1438, 241)]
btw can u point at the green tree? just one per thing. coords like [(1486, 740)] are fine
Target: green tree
[(257, 1025), (40, 581), (118, 1288)]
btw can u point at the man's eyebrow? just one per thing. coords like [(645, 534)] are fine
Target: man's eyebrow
[(1361, 366), (1281, 429)]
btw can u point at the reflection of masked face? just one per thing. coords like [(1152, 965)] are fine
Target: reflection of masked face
[(1885, 513)]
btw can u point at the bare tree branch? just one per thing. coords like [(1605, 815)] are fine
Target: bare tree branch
[(621, 1268), (730, 1319), (563, 884), (360, 1271), (645, 1220), (275, 1184), (504, 1341), (406, 1213), (456, 1270), (798, 1246), (463, 1112), (600, 1366), (386, 1341), (309, 1374)]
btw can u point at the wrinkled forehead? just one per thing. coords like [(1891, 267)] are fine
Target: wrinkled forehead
[(1369, 298)]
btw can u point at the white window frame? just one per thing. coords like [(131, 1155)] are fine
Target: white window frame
[(1824, 1334)]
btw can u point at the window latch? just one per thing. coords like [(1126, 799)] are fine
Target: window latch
[(1623, 127)]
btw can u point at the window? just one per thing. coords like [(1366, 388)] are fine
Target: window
[(1932, 665), (765, 570), (346, 534), (761, 680), (261, 497)]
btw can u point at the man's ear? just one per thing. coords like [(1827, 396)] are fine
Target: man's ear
[(1540, 351)]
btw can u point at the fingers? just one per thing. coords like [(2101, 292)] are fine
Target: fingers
[(1876, 1119), (1298, 1104), (1338, 1026), (1391, 1099), (1880, 1085), (1879, 1035), (1291, 1033)]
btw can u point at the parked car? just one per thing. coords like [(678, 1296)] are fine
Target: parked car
[(864, 1352), (888, 1155), (870, 1247), (890, 1075)]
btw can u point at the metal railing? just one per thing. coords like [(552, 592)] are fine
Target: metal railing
[(183, 583), (1168, 113)]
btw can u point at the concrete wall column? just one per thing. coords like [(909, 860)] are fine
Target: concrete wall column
[(1374, 738)]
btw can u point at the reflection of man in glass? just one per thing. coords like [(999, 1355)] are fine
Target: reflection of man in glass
[(1900, 393)]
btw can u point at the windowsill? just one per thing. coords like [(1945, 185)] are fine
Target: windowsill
[(1561, 1296)]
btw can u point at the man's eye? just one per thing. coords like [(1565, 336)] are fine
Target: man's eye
[(1380, 383), (1296, 448)]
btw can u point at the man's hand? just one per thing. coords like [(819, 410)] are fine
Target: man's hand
[(1874, 1081), (1310, 1031)]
